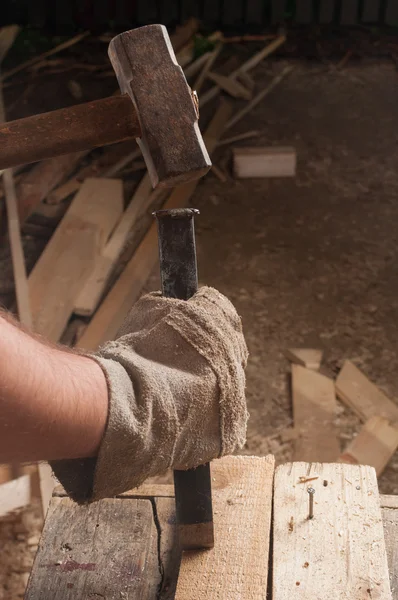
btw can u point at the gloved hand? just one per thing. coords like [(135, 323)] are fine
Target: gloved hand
[(176, 394)]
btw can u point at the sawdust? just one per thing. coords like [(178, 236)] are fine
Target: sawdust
[(19, 538)]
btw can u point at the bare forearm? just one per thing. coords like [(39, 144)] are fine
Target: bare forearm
[(53, 403)]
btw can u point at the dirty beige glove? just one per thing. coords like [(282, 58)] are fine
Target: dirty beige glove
[(177, 394)]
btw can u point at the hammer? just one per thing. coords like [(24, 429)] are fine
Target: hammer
[(157, 107)]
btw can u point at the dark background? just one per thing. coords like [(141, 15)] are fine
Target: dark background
[(62, 16)]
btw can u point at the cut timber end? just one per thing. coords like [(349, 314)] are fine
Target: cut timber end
[(237, 567), (340, 553), (374, 445), (314, 410), (264, 162), (363, 396), (306, 357)]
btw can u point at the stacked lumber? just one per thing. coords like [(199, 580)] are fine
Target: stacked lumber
[(342, 552), (314, 411)]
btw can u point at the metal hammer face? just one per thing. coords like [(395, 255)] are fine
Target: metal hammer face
[(147, 70)]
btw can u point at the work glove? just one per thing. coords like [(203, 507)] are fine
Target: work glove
[(176, 394)]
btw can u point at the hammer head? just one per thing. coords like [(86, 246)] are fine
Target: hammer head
[(147, 70)]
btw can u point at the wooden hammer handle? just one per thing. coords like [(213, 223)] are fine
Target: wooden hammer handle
[(67, 130)]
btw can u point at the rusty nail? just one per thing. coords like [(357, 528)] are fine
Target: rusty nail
[(311, 493)]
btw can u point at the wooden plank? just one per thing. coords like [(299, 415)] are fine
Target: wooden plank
[(247, 66), (212, 57), (70, 255), (304, 11), (231, 86), (340, 553), (371, 11), (264, 162), (306, 357), (42, 179), (14, 494), (237, 567), (127, 289), (314, 410), (362, 396), (326, 11), (146, 490), (375, 445), (389, 501), (101, 550), (390, 523), (349, 12), (93, 289)]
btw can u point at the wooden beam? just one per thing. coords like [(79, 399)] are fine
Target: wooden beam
[(375, 445), (237, 567), (231, 86), (80, 544), (340, 553), (306, 357), (94, 287), (264, 162), (70, 255), (247, 66), (212, 57), (362, 396), (113, 310), (42, 179), (314, 410)]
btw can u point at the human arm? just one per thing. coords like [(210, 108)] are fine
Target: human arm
[(53, 402), (169, 392)]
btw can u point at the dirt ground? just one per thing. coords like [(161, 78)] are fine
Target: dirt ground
[(309, 261)]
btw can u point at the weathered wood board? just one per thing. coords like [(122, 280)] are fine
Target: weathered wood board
[(340, 553), (237, 567), (363, 396), (374, 445), (103, 550)]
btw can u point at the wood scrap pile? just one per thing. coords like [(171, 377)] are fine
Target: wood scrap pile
[(314, 411), (102, 248)]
